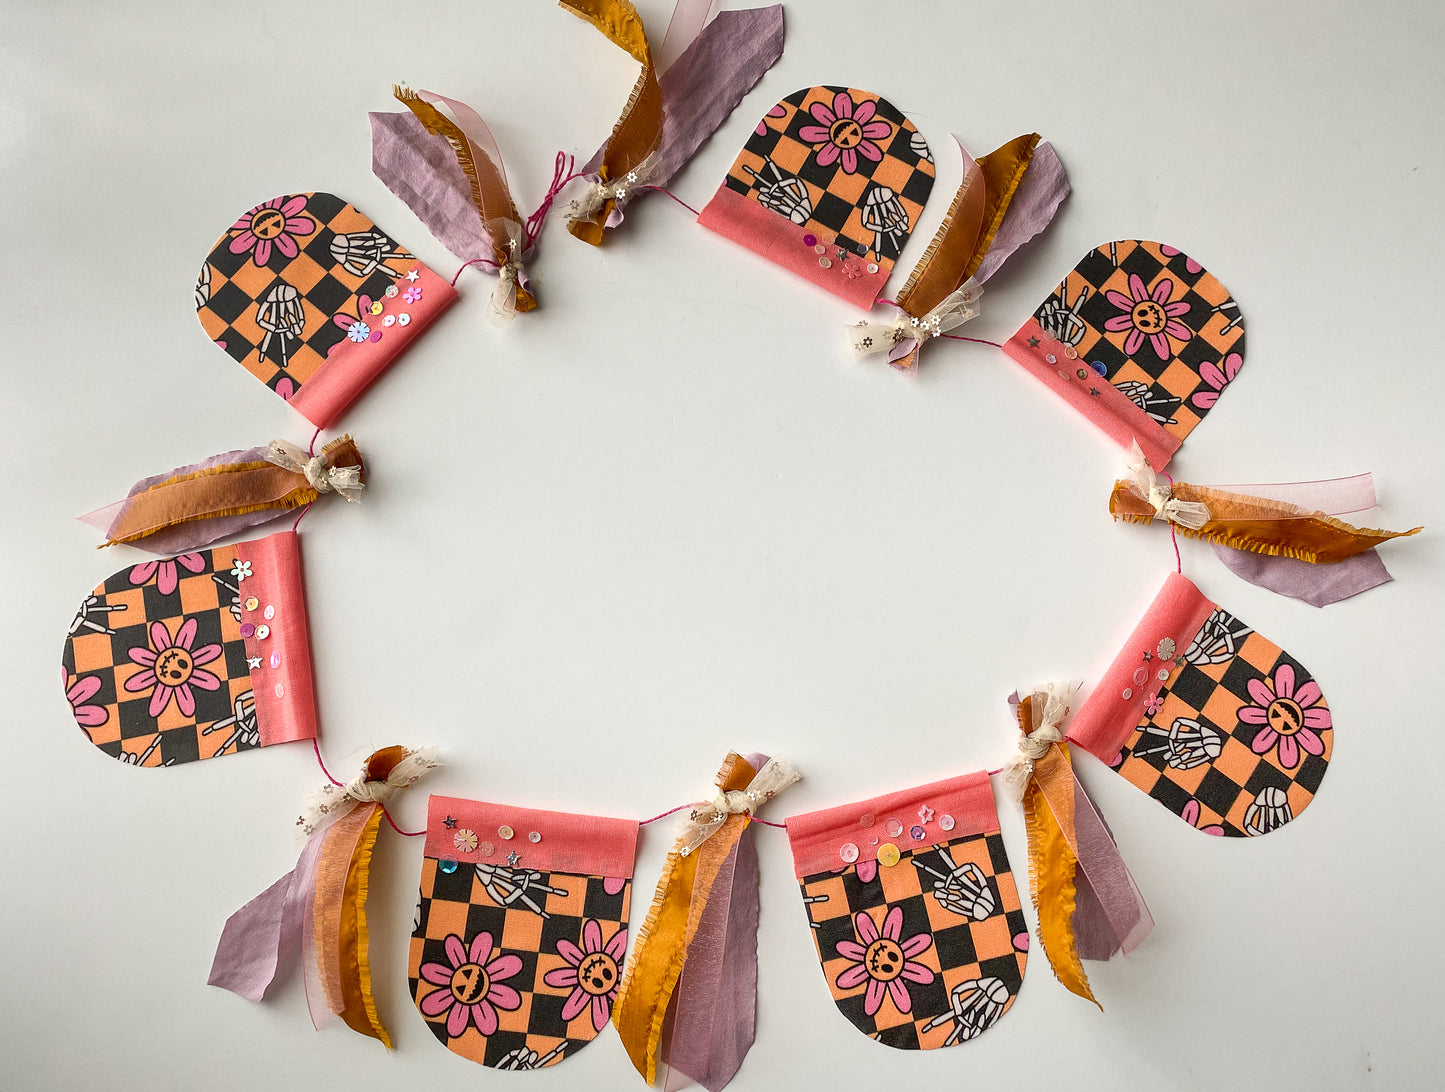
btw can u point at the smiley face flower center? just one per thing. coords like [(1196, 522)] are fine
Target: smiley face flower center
[(597, 974), (1149, 317), (174, 666), (1285, 716), (846, 133), (267, 223), (883, 960), (470, 983)]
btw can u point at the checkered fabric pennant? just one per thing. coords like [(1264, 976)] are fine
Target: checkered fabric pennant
[(914, 912), (520, 930), (1211, 719), (830, 185), (1140, 338), (314, 299), (194, 656)]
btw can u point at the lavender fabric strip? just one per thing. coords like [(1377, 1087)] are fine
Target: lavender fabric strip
[(258, 937), (1042, 191), (422, 170), (708, 81), (1317, 585), (1109, 912)]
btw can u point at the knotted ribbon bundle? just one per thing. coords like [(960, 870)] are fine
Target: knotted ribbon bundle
[(321, 903), (1006, 198), (689, 992), (1307, 553), (1087, 903), (198, 504)]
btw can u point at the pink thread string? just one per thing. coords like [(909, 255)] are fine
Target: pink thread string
[(684, 204), (474, 261), (316, 746), (978, 340), (302, 516), (562, 173), (1173, 534)]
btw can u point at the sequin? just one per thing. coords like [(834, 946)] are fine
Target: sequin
[(810, 240), (888, 855), (1051, 358), (917, 833), (825, 263), (392, 291), (486, 849), (1071, 352), (390, 320), (376, 308), (872, 267), (1099, 366), (893, 827), (514, 858), (820, 249), (403, 320), (1163, 674), (925, 814), (247, 629), (1141, 676), (1128, 693), (447, 865), (534, 837), (263, 631), (280, 691), (465, 840), (269, 612), (276, 658), (945, 822), (252, 602), (849, 852), (505, 832), (1082, 373), (1166, 648), (866, 819)]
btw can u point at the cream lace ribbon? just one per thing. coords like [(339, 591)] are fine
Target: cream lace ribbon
[(1143, 481), (503, 305), (324, 477), (867, 338), (707, 819), (620, 190), (324, 806), (1050, 703)]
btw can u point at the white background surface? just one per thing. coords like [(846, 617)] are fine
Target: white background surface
[(664, 516)]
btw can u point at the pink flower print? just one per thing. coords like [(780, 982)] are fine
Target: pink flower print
[(883, 961), (173, 668), (1174, 252), (412, 294), (473, 990), (1190, 815), (845, 133), (592, 973), (614, 885), (274, 224), (1217, 376), (78, 694), (778, 111), (1148, 316), (165, 571), (867, 871), (1289, 718), (356, 326), (1154, 705)]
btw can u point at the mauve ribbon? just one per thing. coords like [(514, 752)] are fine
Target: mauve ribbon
[(264, 932), (1043, 189), (707, 82), (1109, 912), (422, 170), (1318, 585)]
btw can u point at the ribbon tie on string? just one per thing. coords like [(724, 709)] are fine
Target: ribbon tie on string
[(620, 191), (706, 819), (319, 471), (1143, 481), (328, 804), (1049, 731), (905, 333)]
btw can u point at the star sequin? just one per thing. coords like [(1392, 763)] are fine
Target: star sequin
[(1094, 391), (1033, 343), (412, 275), (253, 662), (514, 858), (449, 823)]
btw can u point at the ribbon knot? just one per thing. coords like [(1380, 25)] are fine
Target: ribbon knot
[(330, 803), (906, 332), (707, 819), (1146, 484), (317, 469), (1050, 706), (620, 191)]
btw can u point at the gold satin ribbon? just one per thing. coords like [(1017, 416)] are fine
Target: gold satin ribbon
[(639, 129), (230, 489), (660, 949), (1259, 525), (490, 195), (1053, 865)]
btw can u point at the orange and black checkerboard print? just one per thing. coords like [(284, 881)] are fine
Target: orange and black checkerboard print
[(122, 614), (232, 289), (1238, 793), (527, 916), (782, 171), (1170, 388), (975, 960)]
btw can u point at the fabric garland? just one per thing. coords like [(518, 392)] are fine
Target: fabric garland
[(321, 904)]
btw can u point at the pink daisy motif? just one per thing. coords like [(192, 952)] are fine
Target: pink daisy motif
[(778, 111), (884, 961), (1289, 718), (78, 694), (1174, 252), (1217, 376), (1148, 316), (473, 986), (592, 973), (845, 133), (1190, 815), (274, 224), (173, 668), (165, 571)]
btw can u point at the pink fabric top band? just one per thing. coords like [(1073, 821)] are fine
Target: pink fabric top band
[(1116, 706), (284, 689), (965, 804), (1090, 393), (351, 366), (780, 241), (584, 845)]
